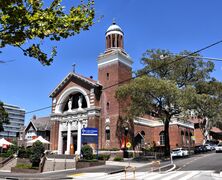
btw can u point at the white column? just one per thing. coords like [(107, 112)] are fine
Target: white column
[(79, 137), (68, 138), (115, 40), (60, 140)]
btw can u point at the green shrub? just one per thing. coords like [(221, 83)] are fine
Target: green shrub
[(115, 149), (24, 166), (130, 154), (87, 160), (37, 151), (24, 153), (87, 152), (4, 155), (112, 149), (118, 158), (103, 157)]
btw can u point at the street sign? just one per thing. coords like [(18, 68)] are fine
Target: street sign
[(128, 145), (90, 135), (89, 132), (193, 138)]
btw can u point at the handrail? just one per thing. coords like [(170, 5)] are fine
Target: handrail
[(42, 163), (6, 160)]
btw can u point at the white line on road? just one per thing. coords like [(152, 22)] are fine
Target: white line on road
[(173, 175), (190, 175)]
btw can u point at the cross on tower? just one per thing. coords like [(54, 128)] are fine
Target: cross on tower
[(74, 68)]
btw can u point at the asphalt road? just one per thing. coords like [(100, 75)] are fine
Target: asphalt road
[(202, 162)]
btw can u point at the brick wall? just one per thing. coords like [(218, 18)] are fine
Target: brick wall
[(110, 108), (54, 135)]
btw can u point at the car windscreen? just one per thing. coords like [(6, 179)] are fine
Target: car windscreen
[(174, 150)]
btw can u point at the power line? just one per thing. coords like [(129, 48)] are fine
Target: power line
[(121, 82)]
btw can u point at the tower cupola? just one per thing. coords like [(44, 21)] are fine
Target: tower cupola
[(114, 37)]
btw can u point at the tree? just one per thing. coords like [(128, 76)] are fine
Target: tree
[(154, 96), (3, 116), (206, 104), (161, 86), (23, 21), (37, 152)]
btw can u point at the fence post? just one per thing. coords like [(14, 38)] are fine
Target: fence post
[(65, 161), (54, 163)]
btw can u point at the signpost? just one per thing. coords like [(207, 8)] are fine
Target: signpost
[(90, 135), (128, 145)]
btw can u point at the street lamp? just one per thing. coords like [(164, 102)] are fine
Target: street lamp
[(125, 153)]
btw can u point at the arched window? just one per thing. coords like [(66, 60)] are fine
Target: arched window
[(107, 106), (162, 138), (191, 138), (143, 133), (107, 133), (74, 99), (187, 138)]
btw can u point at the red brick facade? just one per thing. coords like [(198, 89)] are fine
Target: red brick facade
[(110, 108), (54, 135)]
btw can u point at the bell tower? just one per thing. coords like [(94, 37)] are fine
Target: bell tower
[(114, 68), (114, 37)]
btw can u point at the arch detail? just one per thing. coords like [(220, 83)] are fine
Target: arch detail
[(66, 94)]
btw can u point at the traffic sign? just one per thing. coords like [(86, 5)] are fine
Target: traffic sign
[(128, 145)]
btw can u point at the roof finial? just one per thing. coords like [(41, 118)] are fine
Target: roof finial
[(74, 68), (114, 21)]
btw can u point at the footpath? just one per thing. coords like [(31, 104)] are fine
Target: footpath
[(111, 167)]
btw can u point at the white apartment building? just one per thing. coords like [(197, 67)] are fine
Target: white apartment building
[(16, 117)]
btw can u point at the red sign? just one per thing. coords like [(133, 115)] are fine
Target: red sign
[(124, 142), (34, 137), (4, 146)]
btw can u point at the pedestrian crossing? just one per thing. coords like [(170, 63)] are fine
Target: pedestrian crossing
[(173, 175)]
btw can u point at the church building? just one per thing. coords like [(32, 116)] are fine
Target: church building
[(81, 102)]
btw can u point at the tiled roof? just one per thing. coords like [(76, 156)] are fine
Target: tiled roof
[(78, 76), (216, 130), (42, 123)]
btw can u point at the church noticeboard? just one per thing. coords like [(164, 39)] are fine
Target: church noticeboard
[(89, 135)]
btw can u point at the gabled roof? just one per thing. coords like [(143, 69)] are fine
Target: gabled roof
[(29, 125), (78, 76), (40, 124), (216, 130)]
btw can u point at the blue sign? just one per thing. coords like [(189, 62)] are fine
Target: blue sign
[(89, 135), (89, 132)]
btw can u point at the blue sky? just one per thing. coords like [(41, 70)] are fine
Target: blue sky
[(172, 24)]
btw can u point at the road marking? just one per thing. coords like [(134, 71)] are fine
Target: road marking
[(76, 175), (173, 175), (190, 175), (86, 175), (154, 176)]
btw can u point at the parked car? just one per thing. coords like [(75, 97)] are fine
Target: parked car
[(179, 152), (208, 147), (200, 149), (197, 149), (218, 148)]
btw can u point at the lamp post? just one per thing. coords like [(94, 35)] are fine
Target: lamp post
[(125, 153)]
